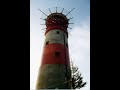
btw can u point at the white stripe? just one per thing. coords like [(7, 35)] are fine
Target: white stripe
[(53, 37)]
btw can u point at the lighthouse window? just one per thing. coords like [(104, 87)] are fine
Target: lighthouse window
[(47, 42), (57, 32), (66, 45), (57, 53)]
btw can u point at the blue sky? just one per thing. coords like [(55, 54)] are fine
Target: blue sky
[(79, 42)]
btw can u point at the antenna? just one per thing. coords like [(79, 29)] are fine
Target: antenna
[(50, 10), (70, 11), (62, 10), (42, 12), (56, 9)]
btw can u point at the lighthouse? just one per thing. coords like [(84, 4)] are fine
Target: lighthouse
[(55, 72)]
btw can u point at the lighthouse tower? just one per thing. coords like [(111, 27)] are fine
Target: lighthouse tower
[(55, 71)]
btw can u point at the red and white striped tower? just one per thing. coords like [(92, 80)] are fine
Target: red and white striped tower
[(55, 66)]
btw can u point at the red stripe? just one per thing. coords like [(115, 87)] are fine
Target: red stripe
[(49, 56)]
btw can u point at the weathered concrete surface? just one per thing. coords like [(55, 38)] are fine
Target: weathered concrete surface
[(53, 76)]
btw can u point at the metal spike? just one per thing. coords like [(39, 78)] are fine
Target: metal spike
[(70, 18), (42, 19), (69, 11), (62, 10), (70, 23), (56, 9), (42, 12), (50, 10), (69, 28)]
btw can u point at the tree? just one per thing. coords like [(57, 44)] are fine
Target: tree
[(77, 79)]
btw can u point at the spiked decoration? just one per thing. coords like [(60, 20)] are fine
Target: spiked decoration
[(56, 12)]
